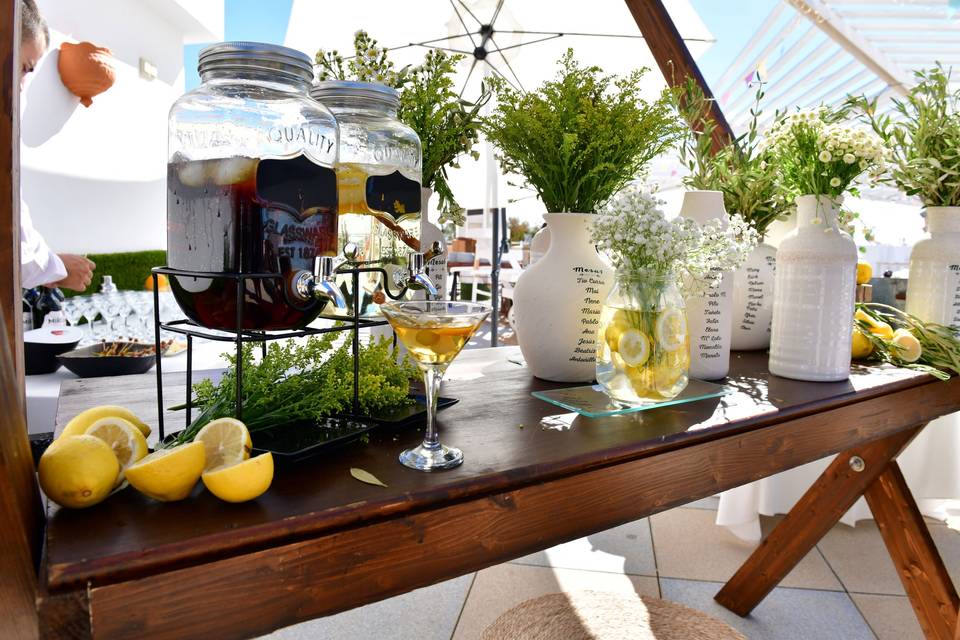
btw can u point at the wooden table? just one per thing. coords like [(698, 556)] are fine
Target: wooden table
[(320, 542)]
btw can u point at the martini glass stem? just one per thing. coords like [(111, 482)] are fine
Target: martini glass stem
[(432, 377)]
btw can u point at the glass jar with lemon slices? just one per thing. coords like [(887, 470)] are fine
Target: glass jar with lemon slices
[(644, 353)]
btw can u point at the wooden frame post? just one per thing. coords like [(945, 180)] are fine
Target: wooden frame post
[(675, 61), (21, 522)]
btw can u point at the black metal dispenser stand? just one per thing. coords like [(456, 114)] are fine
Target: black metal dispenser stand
[(239, 335)]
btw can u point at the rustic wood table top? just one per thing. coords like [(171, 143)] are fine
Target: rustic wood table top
[(518, 451)]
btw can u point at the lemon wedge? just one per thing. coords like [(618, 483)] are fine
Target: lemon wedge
[(226, 441), (671, 329), (126, 441), (82, 421), (168, 474), (634, 347), (907, 345), (78, 471), (877, 328), (241, 482)]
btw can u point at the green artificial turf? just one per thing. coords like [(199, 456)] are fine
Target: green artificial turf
[(129, 270)]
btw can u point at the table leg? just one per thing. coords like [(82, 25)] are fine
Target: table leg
[(911, 547), (821, 507)]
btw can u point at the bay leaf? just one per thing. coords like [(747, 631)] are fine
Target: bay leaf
[(366, 476)]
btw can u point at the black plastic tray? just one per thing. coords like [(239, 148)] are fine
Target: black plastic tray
[(293, 442)]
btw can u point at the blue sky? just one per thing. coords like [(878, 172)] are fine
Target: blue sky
[(266, 21), (255, 20)]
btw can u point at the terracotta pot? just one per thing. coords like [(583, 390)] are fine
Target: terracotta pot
[(86, 70)]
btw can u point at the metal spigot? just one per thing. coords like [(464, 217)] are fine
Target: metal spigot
[(418, 263), (322, 282)]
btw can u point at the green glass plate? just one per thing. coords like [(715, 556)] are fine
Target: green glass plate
[(592, 402)]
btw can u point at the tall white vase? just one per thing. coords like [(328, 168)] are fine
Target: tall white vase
[(813, 296), (933, 290), (709, 316), (753, 300), (436, 268), (557, 302)]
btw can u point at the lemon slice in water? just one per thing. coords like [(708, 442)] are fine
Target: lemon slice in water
[(634, 347), (671, 328)]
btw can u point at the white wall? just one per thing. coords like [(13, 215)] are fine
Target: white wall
[(95, 178)]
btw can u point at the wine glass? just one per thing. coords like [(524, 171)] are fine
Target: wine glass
[(434, 332)]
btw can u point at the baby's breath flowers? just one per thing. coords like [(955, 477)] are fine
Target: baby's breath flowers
[(642, 243), (815, 153)]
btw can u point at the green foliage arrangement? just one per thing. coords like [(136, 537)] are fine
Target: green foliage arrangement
[(448, 126), (307, 381), (580, 138), (744, 175), (924, 136)]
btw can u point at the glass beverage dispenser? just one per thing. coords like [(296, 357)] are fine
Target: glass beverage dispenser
[(251, 187), (378, 174)]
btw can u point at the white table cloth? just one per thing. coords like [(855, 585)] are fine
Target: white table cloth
[(43, 391), (930, 464)]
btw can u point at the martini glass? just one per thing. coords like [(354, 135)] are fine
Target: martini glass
[(434, 332)]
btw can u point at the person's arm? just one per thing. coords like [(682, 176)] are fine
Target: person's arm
[(38, 265), (79, 272)]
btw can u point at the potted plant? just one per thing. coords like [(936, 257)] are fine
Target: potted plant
[(745, 180), (447, 125), (576, 140), (817, 157), (644, 343), (925, 142)]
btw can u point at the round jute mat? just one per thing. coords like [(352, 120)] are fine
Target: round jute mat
[(591, 615)]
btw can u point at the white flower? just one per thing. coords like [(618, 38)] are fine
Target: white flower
[(825, 156), (835, 182)]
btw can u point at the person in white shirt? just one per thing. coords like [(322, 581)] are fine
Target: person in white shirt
[(38, 264)]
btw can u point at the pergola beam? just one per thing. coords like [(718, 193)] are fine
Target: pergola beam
[(836, 28), (674, 59)]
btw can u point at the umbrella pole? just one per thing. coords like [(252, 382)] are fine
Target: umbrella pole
[(493, 208)]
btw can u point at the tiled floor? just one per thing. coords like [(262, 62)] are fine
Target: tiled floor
[(845, 589)]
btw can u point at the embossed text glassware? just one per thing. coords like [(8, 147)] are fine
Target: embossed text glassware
[(378, 176), (251, 186), (434, 333)]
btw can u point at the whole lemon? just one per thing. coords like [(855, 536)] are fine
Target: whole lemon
[(861, 347), (864, 272), (78, 471)]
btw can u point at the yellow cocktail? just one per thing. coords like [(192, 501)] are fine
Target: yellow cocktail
[(434, 332)]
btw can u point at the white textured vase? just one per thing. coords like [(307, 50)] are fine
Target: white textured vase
[(436, 268), (933, 290), (753, 300), (557, 302), (709, 316), (813, 296)]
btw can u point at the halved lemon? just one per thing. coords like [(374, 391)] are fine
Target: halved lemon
[(907, 345), (226, 441), (127, 442), (83, 420), (168, 474), (242, 481), (671, 329), (634, 347)]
